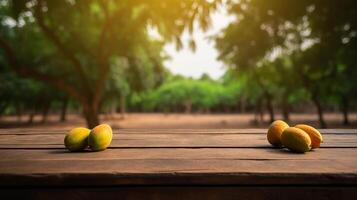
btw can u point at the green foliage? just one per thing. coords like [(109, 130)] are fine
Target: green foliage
[(293, 51), (74, 45), (183, 94), (25, 94), (96, 52)]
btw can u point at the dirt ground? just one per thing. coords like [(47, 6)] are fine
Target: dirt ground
[(177, 121)]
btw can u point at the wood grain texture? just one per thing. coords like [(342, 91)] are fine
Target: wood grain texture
[(328, 166), (43, 131), (130, 140), (177, 158)]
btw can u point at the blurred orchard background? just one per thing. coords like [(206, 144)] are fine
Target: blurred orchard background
[(65, 63)]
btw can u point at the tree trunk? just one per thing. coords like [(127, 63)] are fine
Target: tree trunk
[(242, 104), (345, 107), (64, 110), (286, 111), (270, 108), (45, 111), (257, 112), (2, 109), (31, 116), (112, 110), (260, 112), (188, 107), (207, 110), (286, 114), (122, 106), (18, 112), (91, 115), (256, 116), (319, 111), (226, 109)]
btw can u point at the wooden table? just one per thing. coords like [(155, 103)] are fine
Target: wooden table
[(176, 164)]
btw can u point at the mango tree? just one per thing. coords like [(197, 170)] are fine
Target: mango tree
[(71, 44)]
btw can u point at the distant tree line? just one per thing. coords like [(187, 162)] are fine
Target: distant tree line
[(97, 56)]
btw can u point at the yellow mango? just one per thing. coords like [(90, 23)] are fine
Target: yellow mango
[(274, 132), (100, 137), (296, 140), (77, 139), (315, 135)]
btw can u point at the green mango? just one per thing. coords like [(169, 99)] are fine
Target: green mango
[(77, 139), (100, 137)]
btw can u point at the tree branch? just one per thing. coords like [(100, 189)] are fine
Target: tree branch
[(103, 63), (84, 48), (31, 73), (61, 47)]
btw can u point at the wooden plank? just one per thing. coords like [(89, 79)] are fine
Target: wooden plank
[(23, 131), (178, 166), (187, 193), (121, 140), (175, 173), (179, 153), (175, 157)]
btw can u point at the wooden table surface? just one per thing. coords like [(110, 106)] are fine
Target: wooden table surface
[(177, 164)]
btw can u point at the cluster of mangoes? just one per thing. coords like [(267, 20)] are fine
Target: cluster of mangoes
[(98, 139), (301, 138)]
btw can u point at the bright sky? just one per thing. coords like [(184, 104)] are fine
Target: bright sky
[(204, 59)]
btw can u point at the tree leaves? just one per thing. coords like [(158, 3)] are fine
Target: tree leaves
[(17, 7)]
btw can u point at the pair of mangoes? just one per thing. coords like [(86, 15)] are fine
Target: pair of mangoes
[(301, 138), (98, 139)]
